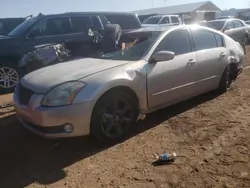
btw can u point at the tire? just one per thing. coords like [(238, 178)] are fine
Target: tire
[(226, 80), (113, 116), (10, 75), (111, 36)]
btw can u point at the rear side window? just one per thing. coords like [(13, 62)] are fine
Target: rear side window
[(80, 24), (125, 21), (175, 19), (177, 41), (203, 39), (165, 20), (219, 40)]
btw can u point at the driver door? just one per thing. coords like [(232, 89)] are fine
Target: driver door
[(174, 80)]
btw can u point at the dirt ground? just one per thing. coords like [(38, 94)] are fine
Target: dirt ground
[(210, 133)]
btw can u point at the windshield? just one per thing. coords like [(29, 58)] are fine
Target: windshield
[(20, 29), (218, 25), (133, 46), (152, 20)]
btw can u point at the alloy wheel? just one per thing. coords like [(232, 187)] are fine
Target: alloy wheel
[(8, 77), (117, 118)]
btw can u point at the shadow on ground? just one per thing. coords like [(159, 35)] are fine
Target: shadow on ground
[(26, 158)]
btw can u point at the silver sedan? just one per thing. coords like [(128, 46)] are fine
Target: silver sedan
[(154, 68)]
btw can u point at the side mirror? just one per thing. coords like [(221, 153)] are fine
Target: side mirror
[(163, 56)]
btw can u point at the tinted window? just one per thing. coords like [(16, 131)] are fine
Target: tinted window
[(174, 19), (152, 20), (125, 21), (54, 26), (218, 25), (219, 40), (165, 20), (237, 24), (203, 39), (177, 41), (80, 24)]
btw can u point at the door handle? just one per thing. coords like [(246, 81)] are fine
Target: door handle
[(191, 62)]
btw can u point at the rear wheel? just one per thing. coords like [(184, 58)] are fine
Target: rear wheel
[(113, 116), (226, 80)]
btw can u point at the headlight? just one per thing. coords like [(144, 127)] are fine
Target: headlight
[(63, 94)]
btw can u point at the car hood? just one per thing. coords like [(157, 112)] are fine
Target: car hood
[(42, 80)]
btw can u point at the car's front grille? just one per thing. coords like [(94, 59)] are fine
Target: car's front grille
[(24, 94)]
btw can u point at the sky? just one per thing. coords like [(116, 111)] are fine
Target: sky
[(21, 8)]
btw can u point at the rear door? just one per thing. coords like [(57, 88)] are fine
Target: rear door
[(171, 81), (212, 57)]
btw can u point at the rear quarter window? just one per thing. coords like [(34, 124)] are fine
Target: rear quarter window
[(219, 40)]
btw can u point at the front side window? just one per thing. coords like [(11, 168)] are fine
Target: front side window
[(176, 41), (175, 19), (218, 25), (53, 26), (80, 24), (229, 25), (165, 20), (203, 39), (237, 24)]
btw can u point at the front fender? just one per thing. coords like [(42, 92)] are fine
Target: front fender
[(99, 84)]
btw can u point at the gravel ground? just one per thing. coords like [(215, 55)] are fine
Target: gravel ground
[(210, 134)]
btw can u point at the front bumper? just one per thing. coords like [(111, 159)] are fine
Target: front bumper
[(49, 122)]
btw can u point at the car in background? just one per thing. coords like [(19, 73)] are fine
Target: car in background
[(224, 17), (162, 20), (72, 28), (156, 67), (234, 28)]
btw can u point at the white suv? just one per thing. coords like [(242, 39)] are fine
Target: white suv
[(162, 20)]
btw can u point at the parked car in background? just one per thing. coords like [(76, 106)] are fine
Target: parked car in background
[(225, 17), (72, 28), (162, 20), (156, 67), (234, 28)]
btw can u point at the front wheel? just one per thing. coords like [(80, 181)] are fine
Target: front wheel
[(9, 77), (113, 116)]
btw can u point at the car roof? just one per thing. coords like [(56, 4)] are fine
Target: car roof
[(87, 13), (226, 19), (154, 28)]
